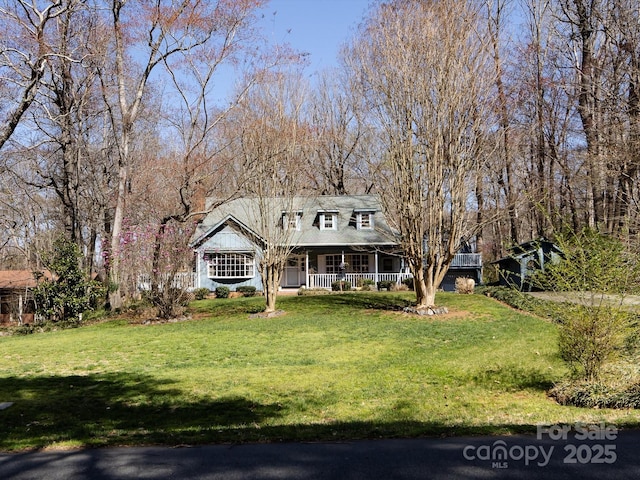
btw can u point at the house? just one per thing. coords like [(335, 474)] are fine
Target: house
[(524, 260), (332, 238), (16, 298)]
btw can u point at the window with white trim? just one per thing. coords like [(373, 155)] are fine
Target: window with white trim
[(328, 221), (291, 220), (365, 220), (231, 265)]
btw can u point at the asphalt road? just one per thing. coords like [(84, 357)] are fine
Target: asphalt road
[(613, 455)]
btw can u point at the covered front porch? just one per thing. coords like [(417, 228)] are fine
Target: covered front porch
[(320, 269)]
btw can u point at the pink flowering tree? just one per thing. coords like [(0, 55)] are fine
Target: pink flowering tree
[(157, 263)]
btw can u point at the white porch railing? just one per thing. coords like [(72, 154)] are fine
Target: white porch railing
[(182, 280), (324, 280)]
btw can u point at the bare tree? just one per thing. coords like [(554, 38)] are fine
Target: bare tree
[(24, 53), (339, 133), (425, 72), (160, 31), (52, 165), (497, 14), (65, 117), (271, 144)]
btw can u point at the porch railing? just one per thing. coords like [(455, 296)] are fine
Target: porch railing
[(324, 280)]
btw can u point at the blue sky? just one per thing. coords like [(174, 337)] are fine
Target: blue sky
[(317, 27)]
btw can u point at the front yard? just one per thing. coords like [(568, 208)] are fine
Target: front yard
[(334, 367)]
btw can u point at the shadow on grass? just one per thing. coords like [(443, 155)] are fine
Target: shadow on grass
[(127, 409), (133, 409), (512, 377), (359, 300), (117, 409)]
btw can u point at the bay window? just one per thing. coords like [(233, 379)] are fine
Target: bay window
[(231, 265)]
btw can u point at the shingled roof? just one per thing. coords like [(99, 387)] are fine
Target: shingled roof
[(15, 279), (244, 212)]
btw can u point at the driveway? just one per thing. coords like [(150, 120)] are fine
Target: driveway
[(587, 298)]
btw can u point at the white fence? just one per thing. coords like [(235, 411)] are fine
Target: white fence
[(182, 280)]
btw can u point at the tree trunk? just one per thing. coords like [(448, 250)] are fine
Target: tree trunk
[(271, 282)]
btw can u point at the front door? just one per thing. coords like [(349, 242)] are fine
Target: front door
[(294, 271)]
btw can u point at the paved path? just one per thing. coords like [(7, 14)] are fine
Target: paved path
[(587, 298), (516, 457)]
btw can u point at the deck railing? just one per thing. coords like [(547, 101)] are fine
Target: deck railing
[(467, 260)]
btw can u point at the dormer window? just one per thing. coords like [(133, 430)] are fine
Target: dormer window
[(328, 220), (364, 219), (291, 220)]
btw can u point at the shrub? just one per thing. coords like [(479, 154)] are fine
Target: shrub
[(246, 290), (385, 284), (408, 282), (524, 302), (598, 271), (597, 394), (222, 292), (465, 285), (590, 337), (200, 293), (170, 302), (341, 285), (366, 283), (313, 291), (64, 299), (399, 287)]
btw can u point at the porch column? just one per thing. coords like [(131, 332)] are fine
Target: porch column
[(375, 261), (306, 269), (198, 258)]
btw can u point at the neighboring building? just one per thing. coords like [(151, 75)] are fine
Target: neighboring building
[(524, 260), (16, 298), (333, 237)]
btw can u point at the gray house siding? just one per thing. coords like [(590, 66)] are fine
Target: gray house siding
[(226, 239)]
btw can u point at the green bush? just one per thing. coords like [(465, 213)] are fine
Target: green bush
[(246, 290), (222, 292), (341, 285), (408, 282), (201, 293), (64, 299), (597, 394), (313, 291), (598, 271), (366, 283), (385, 284)]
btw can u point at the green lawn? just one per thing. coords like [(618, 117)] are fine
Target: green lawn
[(332, 367)]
